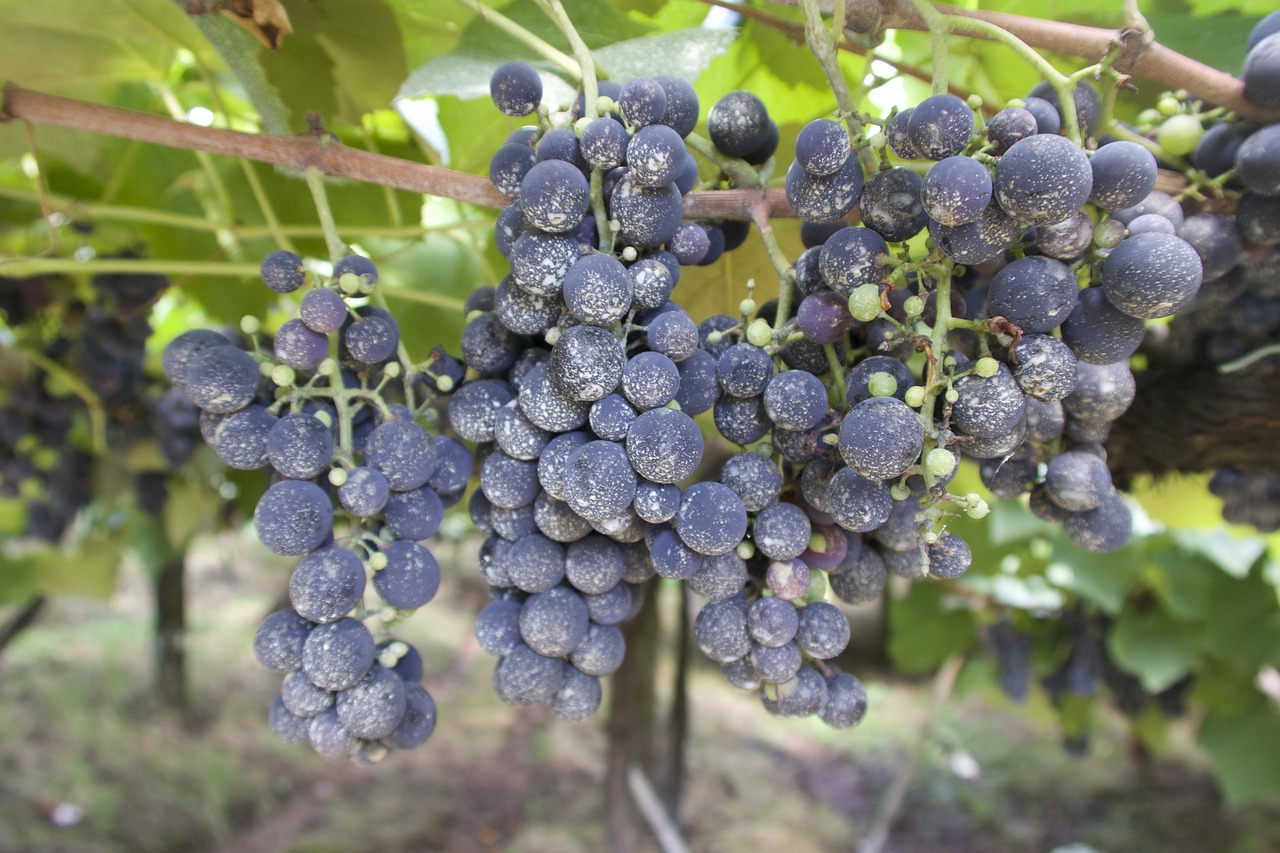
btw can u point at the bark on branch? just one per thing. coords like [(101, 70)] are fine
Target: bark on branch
[(1155, 62), (323, 153)]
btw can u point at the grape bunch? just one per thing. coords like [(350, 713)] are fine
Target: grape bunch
[(588, 380), (333, 428), (47, 462), (1234, 166), (1082, 667)]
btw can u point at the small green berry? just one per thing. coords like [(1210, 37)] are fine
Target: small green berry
[(377, 561), (444, 384), (1180, 134), (914, 396), (940, 462), (350, 283), (391, 370), (283, 375), (746, 550), (759, 333), (986, 367), (952, 395), (914, 306), (864, 302), (899, 491), (747, 307), (250, 325), (975, 102), (882, 384), (337, 476), (977, 507), (1167, 105)]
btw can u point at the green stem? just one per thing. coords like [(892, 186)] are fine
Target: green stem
[(786, 272), (315, 183), (590, 69), (604, 234), (37, 266), (268, 210), (739, 171), (937, 349), (423, 297), (223, 209), (511, 28), (78, 209), (837, 372), (938, 33)]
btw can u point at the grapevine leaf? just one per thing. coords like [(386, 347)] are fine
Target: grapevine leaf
[(1154, 646), (1235, 555), (924, 632), (1246, 752), (684, 53)]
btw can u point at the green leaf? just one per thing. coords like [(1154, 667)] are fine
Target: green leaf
[(1182, 582), (191, 507), (924, 631), (1153, 646), (1235, 555), (685, 53), (1104, 579), (1246, 752), (1242, 621)]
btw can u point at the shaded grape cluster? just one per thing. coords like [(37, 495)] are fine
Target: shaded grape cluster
[(357, 484), (46, 427)]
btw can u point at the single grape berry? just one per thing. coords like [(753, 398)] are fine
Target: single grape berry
[(282, 271), (516, 88)]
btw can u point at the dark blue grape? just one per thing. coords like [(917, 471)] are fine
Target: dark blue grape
[(1010, 125), (711, 519), (282, 271), (1262, 72), (221, 379), (956, 190), (515, 88), (647, 216), (414, 515), (404, 452), (599, 481), (1124, 173), (881, 438), (1043, 179), (681, 113), (738, 123), (410, 578), (664, 445), (1151, 275), (825, 198), (890, 205), (293, 517), (509, 166), (326, 584), (337, 655), (940, 126), (240, 439), (852, 257), (823, 147), (278, 642), (795, 400), (1035, 293)]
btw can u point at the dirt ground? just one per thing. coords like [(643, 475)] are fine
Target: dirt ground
[(88, 762)]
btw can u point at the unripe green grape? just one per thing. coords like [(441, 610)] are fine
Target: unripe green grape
[(250, 325), (715, 337), (746, 550), (882, 385), (391, 370), (1179, 135), (444, 383), (864, 303), (350, 283), (327, 419), (630, 253), (914, 306), (759, 332), (817, 590), (914, 396), (977, 507), (581, 125), (328, 367), (337, 477), (747, 307), (878, 140), (974, 102), (553, 335), (377, 561), (940, 462), (1150, 117), (283, 375), (952, 395), (899, 491), (986, 367), (1167, 105)]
